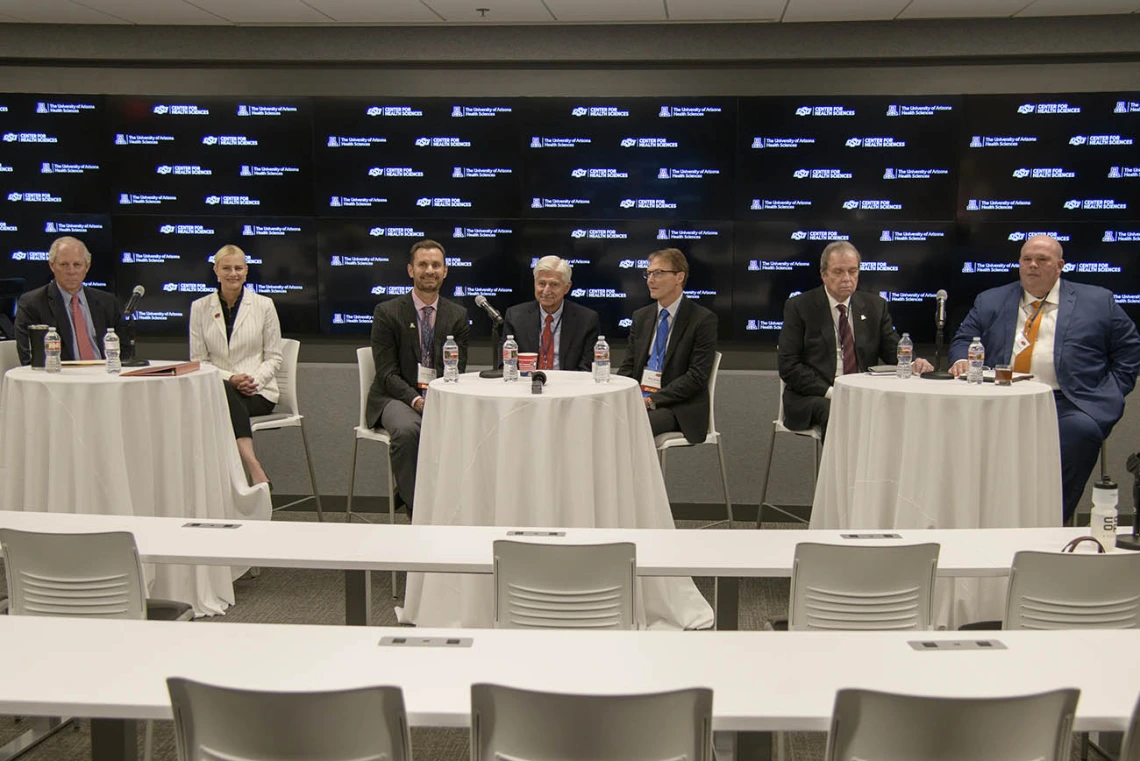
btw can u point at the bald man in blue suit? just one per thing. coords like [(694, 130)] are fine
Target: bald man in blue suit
[(1085, 347)]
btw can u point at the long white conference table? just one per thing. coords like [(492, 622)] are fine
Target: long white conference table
[(761, 681), (358, 549)]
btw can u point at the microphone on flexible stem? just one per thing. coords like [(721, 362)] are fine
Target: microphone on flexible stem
[(496, 370), (940, 325), (1125, 542), (133, 301), (537, 381), (128, 358)]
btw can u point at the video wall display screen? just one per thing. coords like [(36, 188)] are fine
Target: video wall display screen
[(327, 194)]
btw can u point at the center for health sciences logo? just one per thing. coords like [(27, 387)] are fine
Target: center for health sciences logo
[(1080, 140), (828, 235), (180, 110), (1048, 108), (393, 111), (824, 111), (599, 111), (239, 140)]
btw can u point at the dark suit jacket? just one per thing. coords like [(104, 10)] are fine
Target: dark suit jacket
[(396, 349), (1096, 349), (807, 346), (43, 306), (578, 333), (688, 363)]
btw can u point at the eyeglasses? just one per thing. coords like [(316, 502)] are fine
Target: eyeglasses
[(655, 274)]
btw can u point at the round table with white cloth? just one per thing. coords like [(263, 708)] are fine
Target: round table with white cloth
[(85, 441), (579, 455), (918, 453)]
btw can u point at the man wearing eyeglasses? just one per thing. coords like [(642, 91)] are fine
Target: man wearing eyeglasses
[(830, 331), (671, 348)]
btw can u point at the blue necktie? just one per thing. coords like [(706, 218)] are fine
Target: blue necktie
[(657, 358)]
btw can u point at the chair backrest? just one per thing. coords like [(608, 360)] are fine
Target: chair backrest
[(365, 373), (879, 726), (712, 395), (9, 357), (218, 723), (1053, 590), (841, 587), (90, 575), (287, 377), (564, 586), (522, 725), (1130, 749)]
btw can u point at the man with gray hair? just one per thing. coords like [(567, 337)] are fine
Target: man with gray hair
[(830, 331), (561, 332), (80, 314)]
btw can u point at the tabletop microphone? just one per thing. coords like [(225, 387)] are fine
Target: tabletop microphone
[(939, 327), (482, 303), (133, 301), (940, 312), (537, 381)]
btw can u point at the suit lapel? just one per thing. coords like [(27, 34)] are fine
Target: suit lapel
[(217, 319), (684, 313), (1067, 295), (528, 330), (827, 329), (1007, 322), (566, 330), (243, 311), (60, 319)]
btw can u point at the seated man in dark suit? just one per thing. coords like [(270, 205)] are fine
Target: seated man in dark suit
[(408, 333), (561, 332), (80, 314), (1074, 338), (672, 345), (830, 331)]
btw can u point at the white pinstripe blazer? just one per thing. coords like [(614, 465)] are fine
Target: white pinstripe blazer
[(254, 348)]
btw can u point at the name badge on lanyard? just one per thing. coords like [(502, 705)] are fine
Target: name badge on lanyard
[(424, 376), (650, 381)]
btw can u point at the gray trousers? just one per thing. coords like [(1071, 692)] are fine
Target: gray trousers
[(403, 424)]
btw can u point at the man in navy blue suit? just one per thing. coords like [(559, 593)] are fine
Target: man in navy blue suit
[(1071, 336)]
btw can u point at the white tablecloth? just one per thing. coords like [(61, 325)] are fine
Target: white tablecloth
[(579, 455), (83, 441), (941, 454)]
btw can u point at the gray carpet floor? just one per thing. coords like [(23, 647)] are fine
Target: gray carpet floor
[(297, 596)]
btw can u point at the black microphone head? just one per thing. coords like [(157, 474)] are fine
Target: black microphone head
[(538, 377)]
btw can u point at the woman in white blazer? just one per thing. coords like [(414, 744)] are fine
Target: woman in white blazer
[(237, 331)]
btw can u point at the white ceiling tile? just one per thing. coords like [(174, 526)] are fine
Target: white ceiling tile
[(376, 11), (606, 11), (962, 8), (1083, 8), (263, 11), (725, 10), (498, 11), (54, 12), (153, 11), (844, 10)]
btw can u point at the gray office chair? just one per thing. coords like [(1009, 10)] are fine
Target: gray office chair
[(841, 587), (564, 586), (287, 414), (85, 575), (9, 357), (674, 439), (885, 727), (1054, 590), (365, 373), (817, 452), (222, 724), (521, 725), (1130, 749)]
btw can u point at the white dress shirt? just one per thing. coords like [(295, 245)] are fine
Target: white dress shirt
[(835, 322), (1042, 363)]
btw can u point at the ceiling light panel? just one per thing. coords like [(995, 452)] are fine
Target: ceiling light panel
[(962, 8), (844, 10), (725, 10), (263, 11), (154, 11), (607, 11), (376, 12), (54, 12), (1084, 8)]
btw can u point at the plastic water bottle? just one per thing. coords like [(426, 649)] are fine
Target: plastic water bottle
[(451, 360), (976, 355), (1102, 519), (601, 361), (111, 352), (905, 367), (53, 348), (510, 360)]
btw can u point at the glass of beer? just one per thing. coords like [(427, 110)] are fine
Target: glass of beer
[(1003, 375)]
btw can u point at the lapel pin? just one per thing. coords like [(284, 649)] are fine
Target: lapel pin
[(862, 317), (412, 325), (217, 315)]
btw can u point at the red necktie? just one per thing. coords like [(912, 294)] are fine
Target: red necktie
[(847, 343), (82, 340), (546, 357)]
